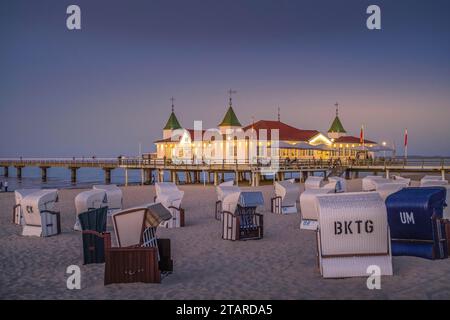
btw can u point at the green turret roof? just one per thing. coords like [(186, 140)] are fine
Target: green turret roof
[(337, 126), (172, 123), (230, 119)]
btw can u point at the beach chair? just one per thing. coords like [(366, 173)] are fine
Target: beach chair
[(114, 196), (398, 178), (386, 189), (93, 226), (39, 216), (427, 178), (223, 190), (353, 234), (416, 222), (88, 200), (313, 182), (244, 223), (433, 183), (18, 209), (309, 214), (170, 196), (339, 184), (287, 194), (139, 256), (369, 182)]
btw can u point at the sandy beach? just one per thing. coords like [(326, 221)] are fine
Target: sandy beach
[(280, 266)]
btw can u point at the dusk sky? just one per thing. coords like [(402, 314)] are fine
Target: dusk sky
[(103, 89)]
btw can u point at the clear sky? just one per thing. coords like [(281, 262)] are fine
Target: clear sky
[(107, 87)]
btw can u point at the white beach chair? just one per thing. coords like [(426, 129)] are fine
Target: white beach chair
[(353, 234), (313, 182), (368, 183), (308, 207), (338, 183), (431, 177), (114, 196), (231, 199), (386, 189), (398, 178), (223, 190), (287, 194), (433, 183), (88, 200), (18, 209), (168, 194), (39, 216)]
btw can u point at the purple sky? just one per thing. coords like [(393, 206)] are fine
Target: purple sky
[(104, 89)]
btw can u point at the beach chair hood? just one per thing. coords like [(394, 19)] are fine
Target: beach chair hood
[(91, 199), (156, 214), (288, 191), (114, 195), (36, 202), (314, 182)]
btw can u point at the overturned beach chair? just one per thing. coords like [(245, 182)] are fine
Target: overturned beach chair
[(88, 200), (339, 184), (18, 209), (415, 218), (313, 182), (223, 190), (139, 256), (369, 182), (244, 223), (168, 194), (93, 226), (308, 207), (353, 234), (114, 196), (39, 217), (287, 194)]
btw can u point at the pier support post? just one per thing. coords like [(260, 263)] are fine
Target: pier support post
[(216, 178), (236, 177), (6, 172), (443, 174), (73, 175), (126, 177), (280, 176), (160, 175), (147, 176), (258, 179), (107, 175), (44, 174), (304, 176), (387, 174), (223, 177), (173, 176), (347, 174), (19, 172)]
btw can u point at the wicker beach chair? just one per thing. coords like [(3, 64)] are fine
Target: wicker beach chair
[(433, 183), (339, 184), (223, 190), (369, 182), (308, 208), (93, 226), (416, 222), (88, 200), (353, 234), (39, 216), (19, 194), (313, 182), (398, 178), (244, 223), (171, 197), (286, 197), (114, 197)]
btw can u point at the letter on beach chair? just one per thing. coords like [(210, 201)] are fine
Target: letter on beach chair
[(39, 216), (286, 196), (18, 209), (170, 196), (88, 200), (114, 196), (353, 234), (415, 218), (244, 223)]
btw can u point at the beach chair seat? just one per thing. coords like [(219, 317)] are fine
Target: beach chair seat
[(40, 218), (168, 194), (88, 200), (114, 196), (19, 194), (308, 207), (369, 182), (313, 182), (286, 196), (416, 222), (353, 234), (93, 226), (244, 223)]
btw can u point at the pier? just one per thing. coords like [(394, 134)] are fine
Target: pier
[(213, 173)]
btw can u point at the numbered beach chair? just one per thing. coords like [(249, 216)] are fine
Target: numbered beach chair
[(114, 196), (313, 182), (135, 259), (168, 194), (308, 207), (93, 225), (287, 194), (353, 235), (223, 190), (415, 218), (244, 223), (339, 184), (88, 200), (40, 218), (18, 209)]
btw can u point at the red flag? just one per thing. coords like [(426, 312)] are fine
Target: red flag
[(361, 135), (406, 137)]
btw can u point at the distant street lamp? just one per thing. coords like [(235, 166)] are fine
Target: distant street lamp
[(384, 151)]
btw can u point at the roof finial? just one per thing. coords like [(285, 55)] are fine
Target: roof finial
[(172, 99), (279, 117), (337, 108), (230, 93)]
